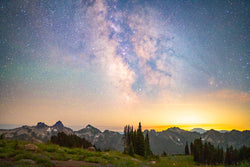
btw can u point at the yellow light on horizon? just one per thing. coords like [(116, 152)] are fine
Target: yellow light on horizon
[(189, 127), (189, 118)]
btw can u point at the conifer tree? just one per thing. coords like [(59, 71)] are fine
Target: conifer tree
[(140, 143), (244, 153), (148, 151), (228, 158), (198, 150), (235, 157), (70, 141), (134, 142), (131, 149), (134, 139), (221, 156), (192, 148), (128, 138), (131, 137), (205, 153), (126, 141), (208, 154), (211, 153)]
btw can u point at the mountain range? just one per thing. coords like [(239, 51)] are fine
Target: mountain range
[(172, 140), (201, 131)]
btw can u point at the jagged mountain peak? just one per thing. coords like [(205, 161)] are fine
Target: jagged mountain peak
[(171, 140), (212, 132), (41, 125), (90, 126), (175, 129), (58, 124)]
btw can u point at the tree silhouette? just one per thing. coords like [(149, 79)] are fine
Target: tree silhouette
[(198, 150), (207, 154), (131, 149), (192, 148), (128, 131), (70, 141), (140, 143), (134, 142), (148, 151)]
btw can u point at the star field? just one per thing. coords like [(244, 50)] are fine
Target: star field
[(82, 60)]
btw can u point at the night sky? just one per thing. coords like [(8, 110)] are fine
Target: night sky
[(111, 63)]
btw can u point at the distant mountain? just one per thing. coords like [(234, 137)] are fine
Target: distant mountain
[(107, 140), (201, 131), (40, 133), (223, 131), (41, 125), (172, 140), (198, 130), (90, 133)]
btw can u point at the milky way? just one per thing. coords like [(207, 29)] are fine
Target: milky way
[(102, 57)]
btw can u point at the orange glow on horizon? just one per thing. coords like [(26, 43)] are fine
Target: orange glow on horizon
[(206, 113), (189, 127)]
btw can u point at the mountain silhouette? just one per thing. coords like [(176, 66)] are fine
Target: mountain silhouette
[(172, 140)]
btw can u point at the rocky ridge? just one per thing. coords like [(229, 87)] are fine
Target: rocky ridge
[(172, 140)]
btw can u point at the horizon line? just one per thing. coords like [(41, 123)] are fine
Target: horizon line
[(159, 128)]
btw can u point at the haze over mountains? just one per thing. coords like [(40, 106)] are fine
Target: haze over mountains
[(172, 140), (201, 131)]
